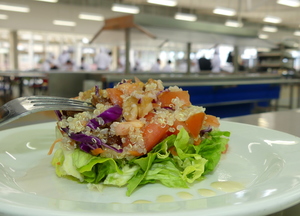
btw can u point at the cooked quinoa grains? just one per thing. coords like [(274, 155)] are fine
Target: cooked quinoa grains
[(143, 110)]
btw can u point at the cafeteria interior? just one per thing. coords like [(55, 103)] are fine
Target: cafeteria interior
[(238, 59)]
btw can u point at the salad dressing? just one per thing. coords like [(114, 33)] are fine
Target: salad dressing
[(164, 198), (185, 195), (141, 201), (206, 192), (227, 186)]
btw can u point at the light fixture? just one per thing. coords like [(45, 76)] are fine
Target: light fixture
[(224, 11), (270, 28), (125, 8), (85, 40), (263, 36), (3, 16), (272, 19), (170, 3), (297, 33), (14, 8), (233, 23), (64, 23), (49, 1), (290, 3), (90, 16), (185, 17)]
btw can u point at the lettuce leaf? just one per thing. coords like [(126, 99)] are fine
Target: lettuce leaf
[(159, 165)]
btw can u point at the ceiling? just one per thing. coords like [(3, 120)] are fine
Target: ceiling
[(250, 12)]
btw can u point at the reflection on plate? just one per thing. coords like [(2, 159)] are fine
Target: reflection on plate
[(259, 175)]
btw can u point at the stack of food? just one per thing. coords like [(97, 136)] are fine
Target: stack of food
[(139, 133)]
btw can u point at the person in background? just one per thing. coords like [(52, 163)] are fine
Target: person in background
[(83, 65), (137, 66), (50, 63), (156, 66), (216, 63), (204, 64), (194, 66), (65, 59), (102, 60), (168, 67)]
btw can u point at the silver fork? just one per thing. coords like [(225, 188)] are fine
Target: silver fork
[(23, 106)]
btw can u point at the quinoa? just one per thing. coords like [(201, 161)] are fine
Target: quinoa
[(141, 105)]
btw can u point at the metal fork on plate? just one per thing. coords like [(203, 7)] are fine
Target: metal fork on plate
[(23, 106)]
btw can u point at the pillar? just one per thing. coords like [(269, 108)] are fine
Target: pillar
[(13, 50), (127, 50), (188, 58)]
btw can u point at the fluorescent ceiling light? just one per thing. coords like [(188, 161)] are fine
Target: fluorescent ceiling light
[(50, 1), (125, 8), (64, 23), (270, 28), (185, 16), (272, 19), (291, 3), (170, 3), (234, 23), (297, 33), (14, 8), (224, 11), (90, 16), (85, 40), (3, 16), (263, 36)]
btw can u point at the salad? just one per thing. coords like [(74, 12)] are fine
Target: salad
[(139, 133)]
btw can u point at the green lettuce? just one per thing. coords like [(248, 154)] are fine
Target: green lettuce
[(189, 164)]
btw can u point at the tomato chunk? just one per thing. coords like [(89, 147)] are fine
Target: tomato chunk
[(194, 124), (115, 96), (166, 98), (153, 134), (212, 121)]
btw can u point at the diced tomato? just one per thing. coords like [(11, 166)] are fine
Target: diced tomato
[(226, 146), (176, 124), (153, 134), (97, 151), (166, 98), (135, 153), (115, 96), (128, 88), (149, 116), (212, 121), (173, 151), (194, 124)]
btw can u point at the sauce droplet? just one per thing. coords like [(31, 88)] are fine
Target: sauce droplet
[(206, 192), (141, 201), (165, 198), (227, 186), (185, 195)]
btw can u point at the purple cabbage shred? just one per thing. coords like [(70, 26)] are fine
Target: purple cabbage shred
[(108, 116), (207, 130)]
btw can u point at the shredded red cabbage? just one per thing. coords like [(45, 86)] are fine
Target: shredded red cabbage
[(96, 90), (88, 143), (91, 142), (109, 115), (58, 114), (202, 132)]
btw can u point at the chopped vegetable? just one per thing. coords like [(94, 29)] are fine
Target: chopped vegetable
[(139, 133)]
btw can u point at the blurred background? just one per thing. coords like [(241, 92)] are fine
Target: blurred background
[(61, 47)]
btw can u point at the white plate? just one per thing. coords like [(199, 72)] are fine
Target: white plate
[(265, 162)]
